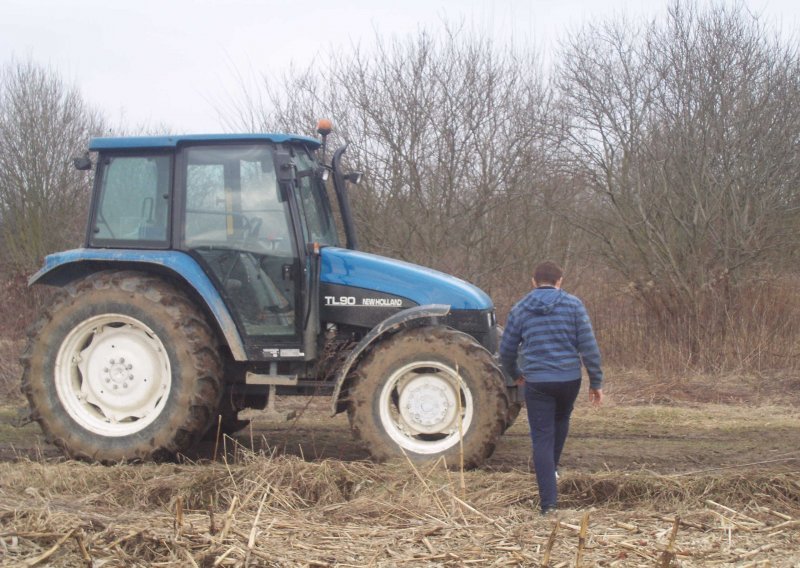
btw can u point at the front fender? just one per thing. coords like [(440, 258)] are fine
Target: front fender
[(64, 267), (416, 316)]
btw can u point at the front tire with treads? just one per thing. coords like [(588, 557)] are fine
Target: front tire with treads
[(428, 392), (122, 367)]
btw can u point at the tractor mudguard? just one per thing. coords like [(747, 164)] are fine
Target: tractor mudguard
[(411, 317), (64, 267)]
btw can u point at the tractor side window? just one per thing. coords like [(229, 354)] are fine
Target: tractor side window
[(134, 201), (232, 201), (206, 202)]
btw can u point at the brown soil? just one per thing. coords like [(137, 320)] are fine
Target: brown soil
[(721, 476), (632, 432)]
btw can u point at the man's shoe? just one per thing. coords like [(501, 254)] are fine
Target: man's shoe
[(548, 511)]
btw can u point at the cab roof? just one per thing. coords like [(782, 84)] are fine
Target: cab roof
[(137, 142)]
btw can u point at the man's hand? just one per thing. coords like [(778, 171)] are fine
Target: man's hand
[(596, 396), (520, 381)]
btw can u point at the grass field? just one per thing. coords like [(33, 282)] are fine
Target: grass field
[(706, 476)]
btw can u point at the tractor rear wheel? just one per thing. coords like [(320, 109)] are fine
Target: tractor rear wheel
[(122, 367), (428, 393)]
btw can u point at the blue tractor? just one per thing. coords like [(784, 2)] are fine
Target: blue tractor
[(212, 277)]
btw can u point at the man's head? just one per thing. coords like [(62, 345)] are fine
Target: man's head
[(547, 274)]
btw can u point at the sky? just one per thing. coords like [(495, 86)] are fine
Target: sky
[(174, 63)]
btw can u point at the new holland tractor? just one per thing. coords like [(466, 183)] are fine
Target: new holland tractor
[(212, 277)]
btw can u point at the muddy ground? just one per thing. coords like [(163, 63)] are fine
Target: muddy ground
[(694, 425), (695, 472)]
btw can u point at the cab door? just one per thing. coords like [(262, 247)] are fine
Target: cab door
[(238, 221)]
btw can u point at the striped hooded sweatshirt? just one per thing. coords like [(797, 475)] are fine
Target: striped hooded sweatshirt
[(547, 336)]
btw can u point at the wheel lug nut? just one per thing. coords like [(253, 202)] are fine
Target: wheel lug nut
[(116, 387), (124, 385), (122, 359), (130, 377), (112, 361), (108, 380), (128, 366)]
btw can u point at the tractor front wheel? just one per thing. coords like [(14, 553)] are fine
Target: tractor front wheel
[(428, 393), (122, 367)]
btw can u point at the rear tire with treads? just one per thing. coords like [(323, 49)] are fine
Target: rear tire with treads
[(122, 367)]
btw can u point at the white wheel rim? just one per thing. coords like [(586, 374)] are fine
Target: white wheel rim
[(112, 375), (425, 407)]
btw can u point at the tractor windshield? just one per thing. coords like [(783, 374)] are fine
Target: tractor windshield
[(317, 216)]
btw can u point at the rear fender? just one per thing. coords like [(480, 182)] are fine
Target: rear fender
[(412, 317), (61, 268)]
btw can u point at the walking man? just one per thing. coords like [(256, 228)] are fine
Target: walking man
[(547, 336)]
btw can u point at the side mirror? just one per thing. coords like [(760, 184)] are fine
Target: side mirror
[(354, 177), (82, 163)]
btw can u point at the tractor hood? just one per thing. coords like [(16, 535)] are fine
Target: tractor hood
[(421, 285)]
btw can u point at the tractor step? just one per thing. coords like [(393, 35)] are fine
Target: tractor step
[(282, 380)]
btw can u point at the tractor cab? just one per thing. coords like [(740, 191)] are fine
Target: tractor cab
[(245, 208)]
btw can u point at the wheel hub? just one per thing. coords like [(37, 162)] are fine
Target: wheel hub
[(118, 372), (428, 404)]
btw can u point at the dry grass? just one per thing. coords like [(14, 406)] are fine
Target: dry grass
[(756, 329), (10, 369), (638, 385), (258, 510)]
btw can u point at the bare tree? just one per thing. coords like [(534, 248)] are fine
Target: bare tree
[(452, 133), (43, 123), (686, 133)]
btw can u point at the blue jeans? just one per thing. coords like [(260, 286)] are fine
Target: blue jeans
[(549, 408)]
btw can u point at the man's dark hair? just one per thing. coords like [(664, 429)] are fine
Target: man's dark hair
[(547, 273)]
